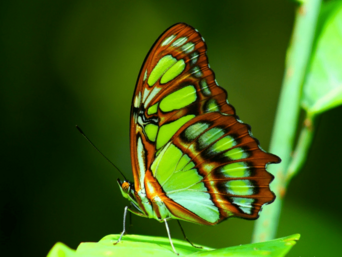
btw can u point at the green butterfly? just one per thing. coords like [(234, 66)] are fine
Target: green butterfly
[(192, 158)]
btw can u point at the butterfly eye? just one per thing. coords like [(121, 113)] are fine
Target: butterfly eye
[(125, 186)]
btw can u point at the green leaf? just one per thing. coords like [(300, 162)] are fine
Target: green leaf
[(323, 86), (141, 246), (61, 250)]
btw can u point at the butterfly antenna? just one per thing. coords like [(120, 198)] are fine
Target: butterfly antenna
[(80, 130)]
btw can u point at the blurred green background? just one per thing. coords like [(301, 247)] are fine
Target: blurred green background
[(76, 62)]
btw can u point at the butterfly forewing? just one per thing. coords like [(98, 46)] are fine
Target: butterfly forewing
[(185, 132)]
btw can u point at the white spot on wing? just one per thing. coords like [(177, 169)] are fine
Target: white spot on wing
[(245, 204), (140, 122), (188, 47), (145, 75), (137, 100), (141, 162), (154, 92), (194, 58), (146, 91), (168, 40), (180, 41), (196, 72)]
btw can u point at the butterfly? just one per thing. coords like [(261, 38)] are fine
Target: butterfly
[(192, 158)]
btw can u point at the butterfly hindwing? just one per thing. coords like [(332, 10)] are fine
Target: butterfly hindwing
[(214, 168)]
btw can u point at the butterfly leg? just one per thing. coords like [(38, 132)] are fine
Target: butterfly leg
[(200, 247), (130, 222), (169, 235), (127, 230), (124, 226)]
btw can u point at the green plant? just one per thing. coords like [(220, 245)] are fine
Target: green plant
[(135, 245), (312, 82)]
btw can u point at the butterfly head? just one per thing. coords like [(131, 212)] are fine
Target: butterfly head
[(127, 189), (128, 192)]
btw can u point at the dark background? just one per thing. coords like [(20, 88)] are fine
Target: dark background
[(76, 62)]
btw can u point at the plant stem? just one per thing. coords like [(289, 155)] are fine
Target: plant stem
[(301, 152), (297, 59)]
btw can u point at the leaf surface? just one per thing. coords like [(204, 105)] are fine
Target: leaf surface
[(143, 246), (322, 89)]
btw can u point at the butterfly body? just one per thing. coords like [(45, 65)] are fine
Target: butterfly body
[(149, 203), (192, 158)]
